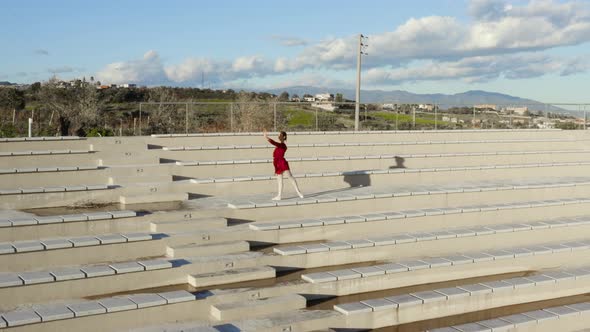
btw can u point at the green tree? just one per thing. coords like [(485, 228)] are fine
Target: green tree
[(11, 99), (284, 96)]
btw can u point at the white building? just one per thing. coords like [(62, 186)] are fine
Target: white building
[(324, 97)]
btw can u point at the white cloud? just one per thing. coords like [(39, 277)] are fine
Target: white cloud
[(499, 34), (289, 41), (147, 70)]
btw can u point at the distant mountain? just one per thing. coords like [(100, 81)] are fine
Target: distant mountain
[(6, 83), (473, 97)]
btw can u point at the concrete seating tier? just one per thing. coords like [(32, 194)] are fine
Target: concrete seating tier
[(370, 157), (450, 233), (379, 312), (73, 273), (41, 190), (40, 138), (445, 261), (89, 216), (47, 169), (396, 215), (61, 243), (361, 132), (52, 312), (387, 171), (43, 152), (351, 195), (353, 144), (569, 317)]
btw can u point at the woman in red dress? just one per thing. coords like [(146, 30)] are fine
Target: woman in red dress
[(281, 165)]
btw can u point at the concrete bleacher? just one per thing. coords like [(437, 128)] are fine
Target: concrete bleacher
[(474, 230)]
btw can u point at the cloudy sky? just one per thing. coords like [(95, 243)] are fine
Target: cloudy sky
[(537, 49)]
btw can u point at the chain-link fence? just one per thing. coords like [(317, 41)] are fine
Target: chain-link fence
[(211, 117)]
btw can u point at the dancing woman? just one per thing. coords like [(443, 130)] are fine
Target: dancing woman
[(281, 165)]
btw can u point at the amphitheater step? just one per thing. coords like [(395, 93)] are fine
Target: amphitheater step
[(570, 317), (231, 276), (464, 298), (125, 180), (193, 250), (257, 307), (188, 224), (103, 306), (153, 198), (297, 320)]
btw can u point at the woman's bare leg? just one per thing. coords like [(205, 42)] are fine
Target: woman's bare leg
[(294, 183), (280, 187)]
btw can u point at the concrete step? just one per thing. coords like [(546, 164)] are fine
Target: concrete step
[(72, 312), (378, 312), (297, 320), (350, 136), (312, 182), (348, 148), (193, 250), (50, 253), (125, 180), (570, 317), (425, 243), (153, 198), (48, 160), (257, 307), (354, 201), (239, 167), (231, 276), (188, 224)]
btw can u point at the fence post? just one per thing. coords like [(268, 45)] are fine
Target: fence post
[(396, 118), (585, 117), (473, 122), (413, 117), (140, 104), (435, 118), (231, 117), (316, 120), (30, 127), (275, 116), (186, 120)]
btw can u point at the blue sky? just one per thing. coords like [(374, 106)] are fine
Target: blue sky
[(537, 49)]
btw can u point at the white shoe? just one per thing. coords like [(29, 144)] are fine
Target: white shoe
[(276, 198), (300, 195)]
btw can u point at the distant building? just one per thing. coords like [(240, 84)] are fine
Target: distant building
[(486, 106), (324, 97), (426, 107), (309, 98), (517, 110)]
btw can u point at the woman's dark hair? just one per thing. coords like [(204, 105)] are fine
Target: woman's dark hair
[(284, 135)]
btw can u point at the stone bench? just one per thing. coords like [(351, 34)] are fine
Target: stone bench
[(41, 190), (391, 240), (72, 273), (48, 169), (385, 171), (52, 312), (363, 132), (414, 191), (89, 216), (452, 260), (393, 215), (530, 319), (368, 157), (40, 138), (75, 242), (351, 144), (43, 152)]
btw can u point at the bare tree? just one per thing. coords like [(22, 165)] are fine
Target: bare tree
[(253, 114), (164, 118), (76, 107)]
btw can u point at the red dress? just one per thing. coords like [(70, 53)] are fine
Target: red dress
[(278, 156)]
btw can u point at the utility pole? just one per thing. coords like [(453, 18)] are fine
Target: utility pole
[(361, 51)]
